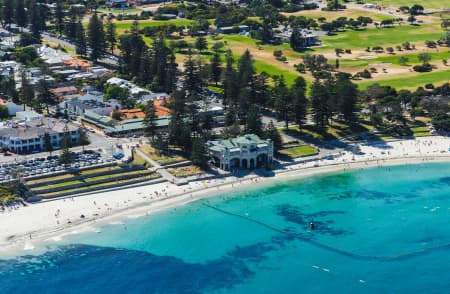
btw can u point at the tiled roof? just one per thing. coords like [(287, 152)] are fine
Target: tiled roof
[(219, 145), (131, 113), (37, 128)]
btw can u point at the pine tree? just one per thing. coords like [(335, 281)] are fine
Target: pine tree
[(48, 143), (296, 40), (347, 94), (35, 20), (80, 40), (319, 103), (216, 69), (44, 95), (83, 139), (71, 26), (299, 100), (230, 82), (199, 153), (193, 83), (26, 91), (254, 123), (272, 133), (171, 74), (132, 48), (246, 80), (160, 143), (65, 156), (160, 54), (111, 39), (59, 17), (96, 37), (201, 44), (21, 14), (266, 32), (246, 68), (282, 100), (8, 12), (150, 120)]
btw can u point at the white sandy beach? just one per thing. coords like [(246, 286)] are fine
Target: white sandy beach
[(23, 228)]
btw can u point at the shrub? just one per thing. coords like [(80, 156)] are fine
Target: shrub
[(300, 68), (277, 53), (378, 49), (426, 67), (430, 44), (366, 74)]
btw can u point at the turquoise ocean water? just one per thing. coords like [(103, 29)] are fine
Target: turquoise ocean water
[(376, 230)]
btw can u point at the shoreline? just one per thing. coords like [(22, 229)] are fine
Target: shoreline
[(20, 240)]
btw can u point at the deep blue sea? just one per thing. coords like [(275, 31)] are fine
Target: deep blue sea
[(380, 230)]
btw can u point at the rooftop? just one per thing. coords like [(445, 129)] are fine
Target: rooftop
[(235, 143), (61, 90), (35, 128), (126, 114)]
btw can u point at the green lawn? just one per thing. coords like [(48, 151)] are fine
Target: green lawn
[(421, 131), (102, 185), (299, 151), (272, 70), (153, 23), (98, 170), (413, 57), (382, 37), (428, 4), (414, 81), (86, 181), (394, 59)]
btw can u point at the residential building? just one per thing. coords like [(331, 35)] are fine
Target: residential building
[(131, 113), (134, 89), (114, 128), (117, 3), (160, 107), (52, 56), (78, 64), (78, 106), (234, 30), (65, 92), (246, 152), (309, 38), (25, 136)]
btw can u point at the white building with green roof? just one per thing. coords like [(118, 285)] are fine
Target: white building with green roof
[(246, 152)]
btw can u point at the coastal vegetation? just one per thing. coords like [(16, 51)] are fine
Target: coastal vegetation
[(11, 195)]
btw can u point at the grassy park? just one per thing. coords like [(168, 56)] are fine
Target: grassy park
[(299, 151), (413, 81), (430, 4), (355, 40)]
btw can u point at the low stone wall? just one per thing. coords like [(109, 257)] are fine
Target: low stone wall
[(82, 177), (80, 185), (109, 188), (67, 171), (113, 187)]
